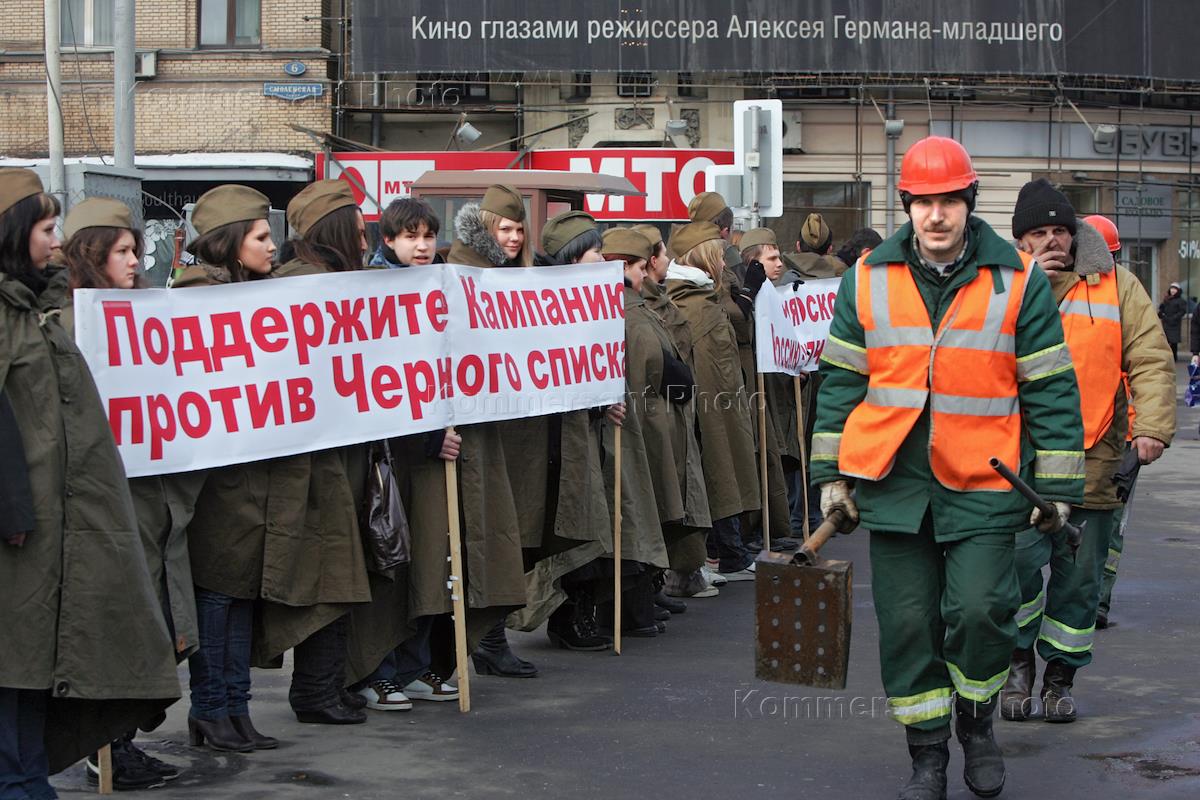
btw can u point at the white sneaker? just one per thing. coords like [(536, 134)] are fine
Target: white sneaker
[(713, 577), (746, 574), (385, 696), (431, 687)]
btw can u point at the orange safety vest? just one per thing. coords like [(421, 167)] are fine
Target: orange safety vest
[(970, 363), (1091, 319)]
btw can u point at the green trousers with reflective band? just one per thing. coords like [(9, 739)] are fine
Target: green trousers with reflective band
[(946, 620), (1060, 614), (1116, 546)]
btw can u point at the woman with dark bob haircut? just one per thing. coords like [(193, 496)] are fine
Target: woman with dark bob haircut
[(75, 673)]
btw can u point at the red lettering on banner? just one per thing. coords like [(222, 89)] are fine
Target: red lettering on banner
[(124, 309), (560, 369), (162, 423), (188, 329), (494, 362), (347, 327), (512, 313), (409, 302), (356, 385), (537, 359), (470, 375), (270, 402), (598, 368), (476, 316), (616, 358), (157, 350), (133, 406), (580, 373), (533, 309), (554, 312), (224, 398), (573, 304), (383, 317), (265, 324), (203, 423), (418, 377), (384, 381), (235, 346), (300, 399), (514, 372), (445, 378), (307, 338), (437, 309)]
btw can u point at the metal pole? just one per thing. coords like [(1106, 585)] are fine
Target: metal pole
[(58, 173), (376, 117), (123, 84), (890, 219), (752, 163)]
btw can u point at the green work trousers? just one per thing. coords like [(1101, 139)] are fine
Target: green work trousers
[(1060, 614), (1116, 546), (946, 620)]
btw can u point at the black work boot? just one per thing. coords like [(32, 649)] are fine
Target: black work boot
[(493, 656), (1057, 703), (573, 626), (930, 757), (983, 770), (1016, 698)]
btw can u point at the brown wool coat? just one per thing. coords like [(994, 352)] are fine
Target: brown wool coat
[(82, 620)]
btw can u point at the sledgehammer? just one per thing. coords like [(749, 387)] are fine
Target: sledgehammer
[(1074, 532)]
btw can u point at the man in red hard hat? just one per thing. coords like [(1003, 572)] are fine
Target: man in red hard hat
[(945, 350)]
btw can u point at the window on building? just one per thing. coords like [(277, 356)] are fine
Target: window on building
[(230, 23), (1141, 258), (635, 84), (1084, 199), (844, 206), (452, 88), (86, 23)]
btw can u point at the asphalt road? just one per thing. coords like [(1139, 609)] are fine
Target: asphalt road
[(670, 717)]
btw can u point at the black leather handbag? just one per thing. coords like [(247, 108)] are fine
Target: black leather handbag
[(386, 536)]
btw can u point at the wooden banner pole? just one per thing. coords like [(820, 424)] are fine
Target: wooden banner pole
[(617, 540), (762, 461), (458, 587)]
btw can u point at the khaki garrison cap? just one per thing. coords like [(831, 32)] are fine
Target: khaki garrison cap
[(757, 236), (706, 206), (97, 212), (651, 232), (17, 183), (627, 242), (505, 201), (690, 235), (227, 204), (564, 227), (316, 201), (815, 233)]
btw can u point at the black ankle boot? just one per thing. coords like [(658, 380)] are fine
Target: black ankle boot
[(1016, 698), (1057, 703), (928, 781), (246, 728), (573, 625), (493, 656), (983, 770), (218, 734)]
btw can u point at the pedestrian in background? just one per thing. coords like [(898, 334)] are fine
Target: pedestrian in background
[(1171, 311)]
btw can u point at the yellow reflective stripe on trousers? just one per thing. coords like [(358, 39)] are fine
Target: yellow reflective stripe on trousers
[(979, 691), (1044, 363), (1030, 611), (921, 707), (1058, 464), (1114, 559), (1066, 638), (825, 446), (845, 355)]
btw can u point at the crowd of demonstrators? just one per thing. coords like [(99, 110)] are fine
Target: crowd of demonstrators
[(231, 567)]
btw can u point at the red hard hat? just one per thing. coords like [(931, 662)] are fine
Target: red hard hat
[(1107, 229), (936, 165)]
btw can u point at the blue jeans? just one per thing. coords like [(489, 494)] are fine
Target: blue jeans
[(410, 660), (23, 766), (220, 668), (725, 544)]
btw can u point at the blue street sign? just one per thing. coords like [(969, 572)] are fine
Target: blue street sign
[(293, 91), (295, 68)]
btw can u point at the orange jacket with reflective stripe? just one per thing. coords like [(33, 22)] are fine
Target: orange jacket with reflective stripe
[(970, 364), (1091, 317)]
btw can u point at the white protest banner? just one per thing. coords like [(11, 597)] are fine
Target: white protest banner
[(209, 376), (791, 325)]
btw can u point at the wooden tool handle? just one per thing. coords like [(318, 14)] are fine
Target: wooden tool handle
[(809, 552)]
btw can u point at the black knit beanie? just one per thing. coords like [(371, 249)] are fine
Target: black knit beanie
[(1038, 204)]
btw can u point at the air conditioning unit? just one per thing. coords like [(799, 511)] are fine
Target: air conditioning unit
[(791, 132), (145, 64)]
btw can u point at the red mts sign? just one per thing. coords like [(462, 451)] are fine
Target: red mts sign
[(379, 178), (670, 178)]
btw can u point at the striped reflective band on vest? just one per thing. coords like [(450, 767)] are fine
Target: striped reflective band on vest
[(1066, 638), (1044, 363), (1067, 464), (922, 707), (1030, 611), (979, 691), (825, 446), (1088, 308), (845, 355)]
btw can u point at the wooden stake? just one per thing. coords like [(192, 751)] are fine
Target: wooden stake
[(617, 541), (104, 761), (458, 587), (800, 432), (762, 461)]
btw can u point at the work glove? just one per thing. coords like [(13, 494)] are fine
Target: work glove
[(677, 380), (756, 276), (1050, 525), (835, 496)]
